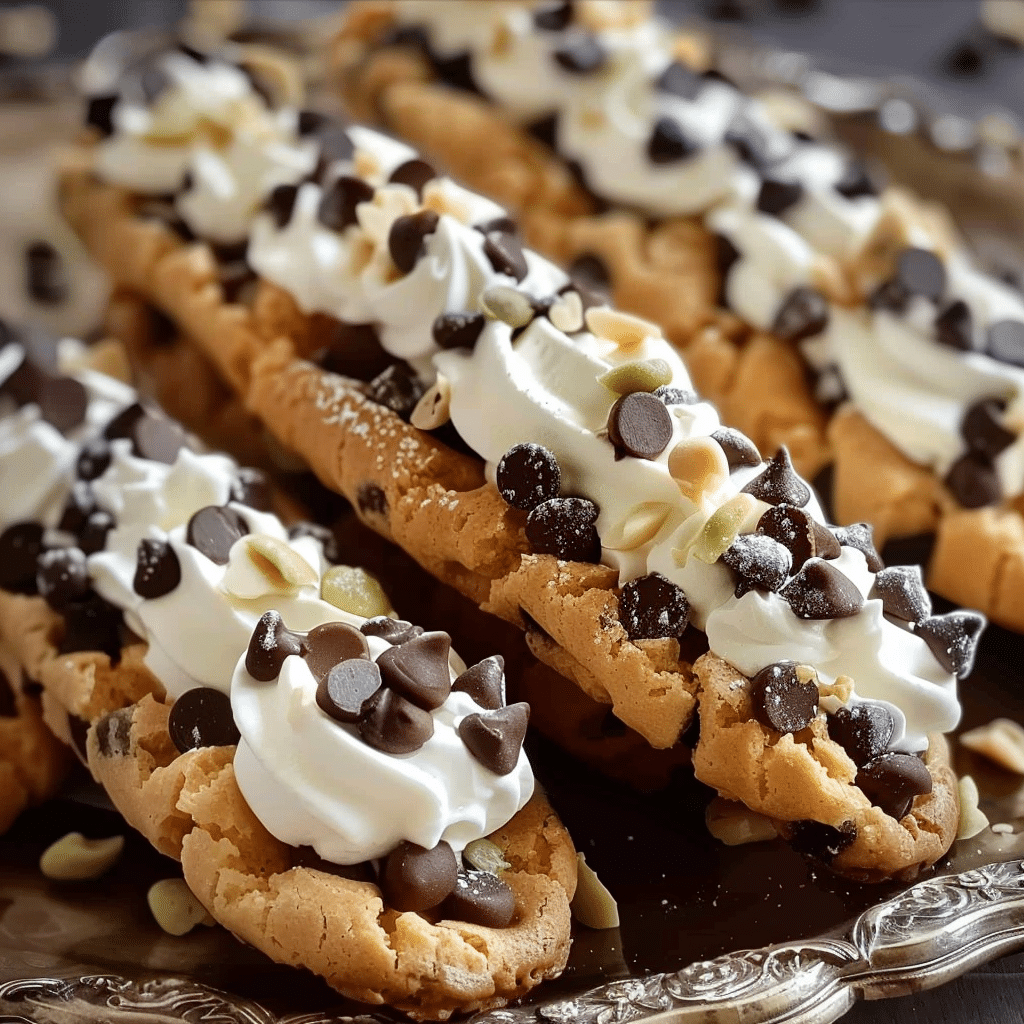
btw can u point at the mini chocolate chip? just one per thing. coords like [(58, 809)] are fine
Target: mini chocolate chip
[(458, 330), (123, 424), (251, 487), (62, 577), (158, 439), (921, 272), (484, 682), (93, 536), (590, 274), (330, 644), (271, 642), (739, 449), (337, 209), (855, 181), (1006, 342), (668, 142), (99, 113), (974, 481), (495, 738), (45, 279), (527, 475), (800, 532), (201, 717), (8, 700), (20, 546), (397, 388), (505, 253), (92, 625), (903, 593), (864, 730), (678, 396), (803, 313), (480, 898), (310, 122), (280, 204), (652, 607), (821, 591), (779, 483), (564, 527), (414, 173), (395, 725), (983, 430), (781, 701), (582, 54), (859, 536), (892, 780), (371, 499), (395, 631), (639, 425), (345, 692), (416, 879), (760, 562), (157, 569), (455, 71), (678, 80), (545, 130), (953, 639), (553, 17), (407, 238), (418, 669), (823, 842), (63, 402), (776, 196), (954, 326), (327, 540), (213, 530)]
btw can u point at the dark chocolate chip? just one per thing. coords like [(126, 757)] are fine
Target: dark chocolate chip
[(280, 204), (353, 350), (582, 54), (458, 330), (414, 173), (965, 59), (821, 591), (337, 209), (395, 725), (953, 639), (739, 449), (892, 780), (311, 122), (889, 295), (456, 71), (480, 898), (864, 731), (859, 536), (801, 533), (484, 682), (678, 80), (760, 562), (505, 253), (776, 196), (678, 396), (407, 238), (330, 644), (668, 142), (418, 669), (781, 701), (921, 272), (123, 424), (553, 17), (590, 274), (639, 425), (63, 402), (803, 313), (92, 625), (983, 430), (157, 569), (371, 499), (823, 842), (8, 700), (527, 475), (20, 547), (93, 536), (158, 439), (395, 631), (902, 592), (726, 254), (99, 113), (327, 540), (495, 738), (397, 388), (565, 528), (545, 130), (271, 642), (45, 279), (233, 278), (652, 607), (779, 483), (954, 326), (201, 717), (212, 531), (62, 577), (974, 481), (346, 691), (1006, 342), (855, 181), (251, 487), (416, 879)]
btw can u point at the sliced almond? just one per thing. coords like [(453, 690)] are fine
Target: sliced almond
[(735, 824), (355, 591), (433, 409), (566, 312), (73, 858), (641, 525), (972, 819), (593, 905), (723, 527), (260, 564), (1002, 741), (699, 466), (628, 332), (175, 907)]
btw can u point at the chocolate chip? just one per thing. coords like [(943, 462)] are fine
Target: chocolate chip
[(371, 499), (983, 430), (678, 80), (824, 842), (63, 402), (45, 280), (345, 692), (590, 274), (414, 173), (495, 738), (855, 181), (271, 642), (859, 536), (776, 196), (24, 383), (639, 425), (821, 591), (921, 272), (92, 625), (739, 449), (527, 475), (99, 113), (803, 313), (892, 780), (953, 639), (157, 569), (458, 330), (480, 898), (251, 487), (123, 424), (668, 142), (545, 130), (553, 17), (902, 592), (678, 396), (484, 682), (281, 203), (1006, 342), (582, 54), (565, 528), (77, 509), (327, 540), (801, 533), (974, 481), (505, 253), (212, 531), (395, 725), (62, 577), (416, 879), (331, 644), (954, 326), (93, 536), (781, 701), (760, 562), (418, 669), (407, 238), (652, 607), (395, 631), (456, 71), (864, 730), (889, 295), (201, 717), (158, 439), (337, 209), (20, 546), (396, 388), (779, 483)]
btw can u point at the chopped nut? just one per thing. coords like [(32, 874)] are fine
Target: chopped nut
[(175, 907), (508, 305), (642, 523), (593, 905), (628, 332), (734, 824), (841, 689), (1002, 741), (75, 858), (485, 856), (637, 375), (972, 818), (723, 527), (566, 312), (355, 591), (432, 410), (699, 466)]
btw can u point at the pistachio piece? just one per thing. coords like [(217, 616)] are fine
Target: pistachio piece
[(640, 525), (723, 527), (485, 856), (593, 905), (355, 591), (699, 466), (734, 824), (566, 312), (637, 375), (175, 907), (1002, 741), (503, 303), (433, 409), (972, 818), (628, 332), (73, 858)]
